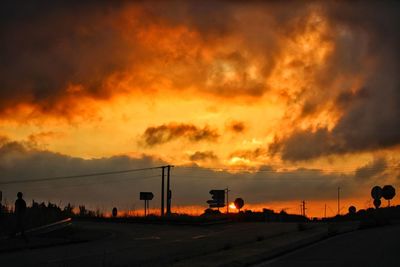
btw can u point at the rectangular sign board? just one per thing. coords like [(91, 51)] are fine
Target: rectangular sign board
[(146, 195), (218, 198)]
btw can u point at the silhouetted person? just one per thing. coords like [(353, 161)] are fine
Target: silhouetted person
[(20, 210)]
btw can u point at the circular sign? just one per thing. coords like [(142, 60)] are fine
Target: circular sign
[(239, 203), (376, 192), (377, 203), (352, 210), (388, 192)]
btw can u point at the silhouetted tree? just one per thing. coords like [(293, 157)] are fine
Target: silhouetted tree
[(69, 210), (82, 210), (239, 203)]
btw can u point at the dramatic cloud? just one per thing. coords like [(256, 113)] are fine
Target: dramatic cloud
[(167, 132), (304, 145), (249, 154), (249, 83), (190, 184), (364, 81), (203, 155), (372, 169), (56, 54), (19, 162)]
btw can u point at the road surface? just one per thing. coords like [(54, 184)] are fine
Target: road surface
[(128, 244), (377, 247)]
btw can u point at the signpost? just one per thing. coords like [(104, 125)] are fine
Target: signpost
[(376, 194), (377, 203), (239, 203), (388, 192), (218, 199), (114, 212), (146, 196)]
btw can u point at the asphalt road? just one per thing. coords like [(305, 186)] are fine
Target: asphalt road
[(123, 244), (377, 247)]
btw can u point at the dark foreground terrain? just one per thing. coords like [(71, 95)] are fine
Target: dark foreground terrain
[(110, 243), (376, 247), (86, 243)]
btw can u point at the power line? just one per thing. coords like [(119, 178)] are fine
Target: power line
[(55, 178), (84, 184), (249, 170), (242, 170), (232, 176)]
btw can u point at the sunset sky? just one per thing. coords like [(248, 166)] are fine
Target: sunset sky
[(282, 101)]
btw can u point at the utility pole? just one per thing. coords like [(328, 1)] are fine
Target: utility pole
[(146, 207), (338, 201), (169, 192), (325, 212), (162, 190), (227, 199), (303, 211)]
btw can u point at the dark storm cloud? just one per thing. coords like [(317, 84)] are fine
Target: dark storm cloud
[(190, 185), (366, 41), (370, 122), (48, 47), (304, 145), (371, 169), (203, 156), (168, 132), (20, 162)]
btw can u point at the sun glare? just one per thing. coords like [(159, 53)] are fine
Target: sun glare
[(232, 206)]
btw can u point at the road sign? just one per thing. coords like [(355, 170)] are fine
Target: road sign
[(146, 195), (239, 203), (388, 192), (352, 210), (376, 192), (218, 199), (218, 195)]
